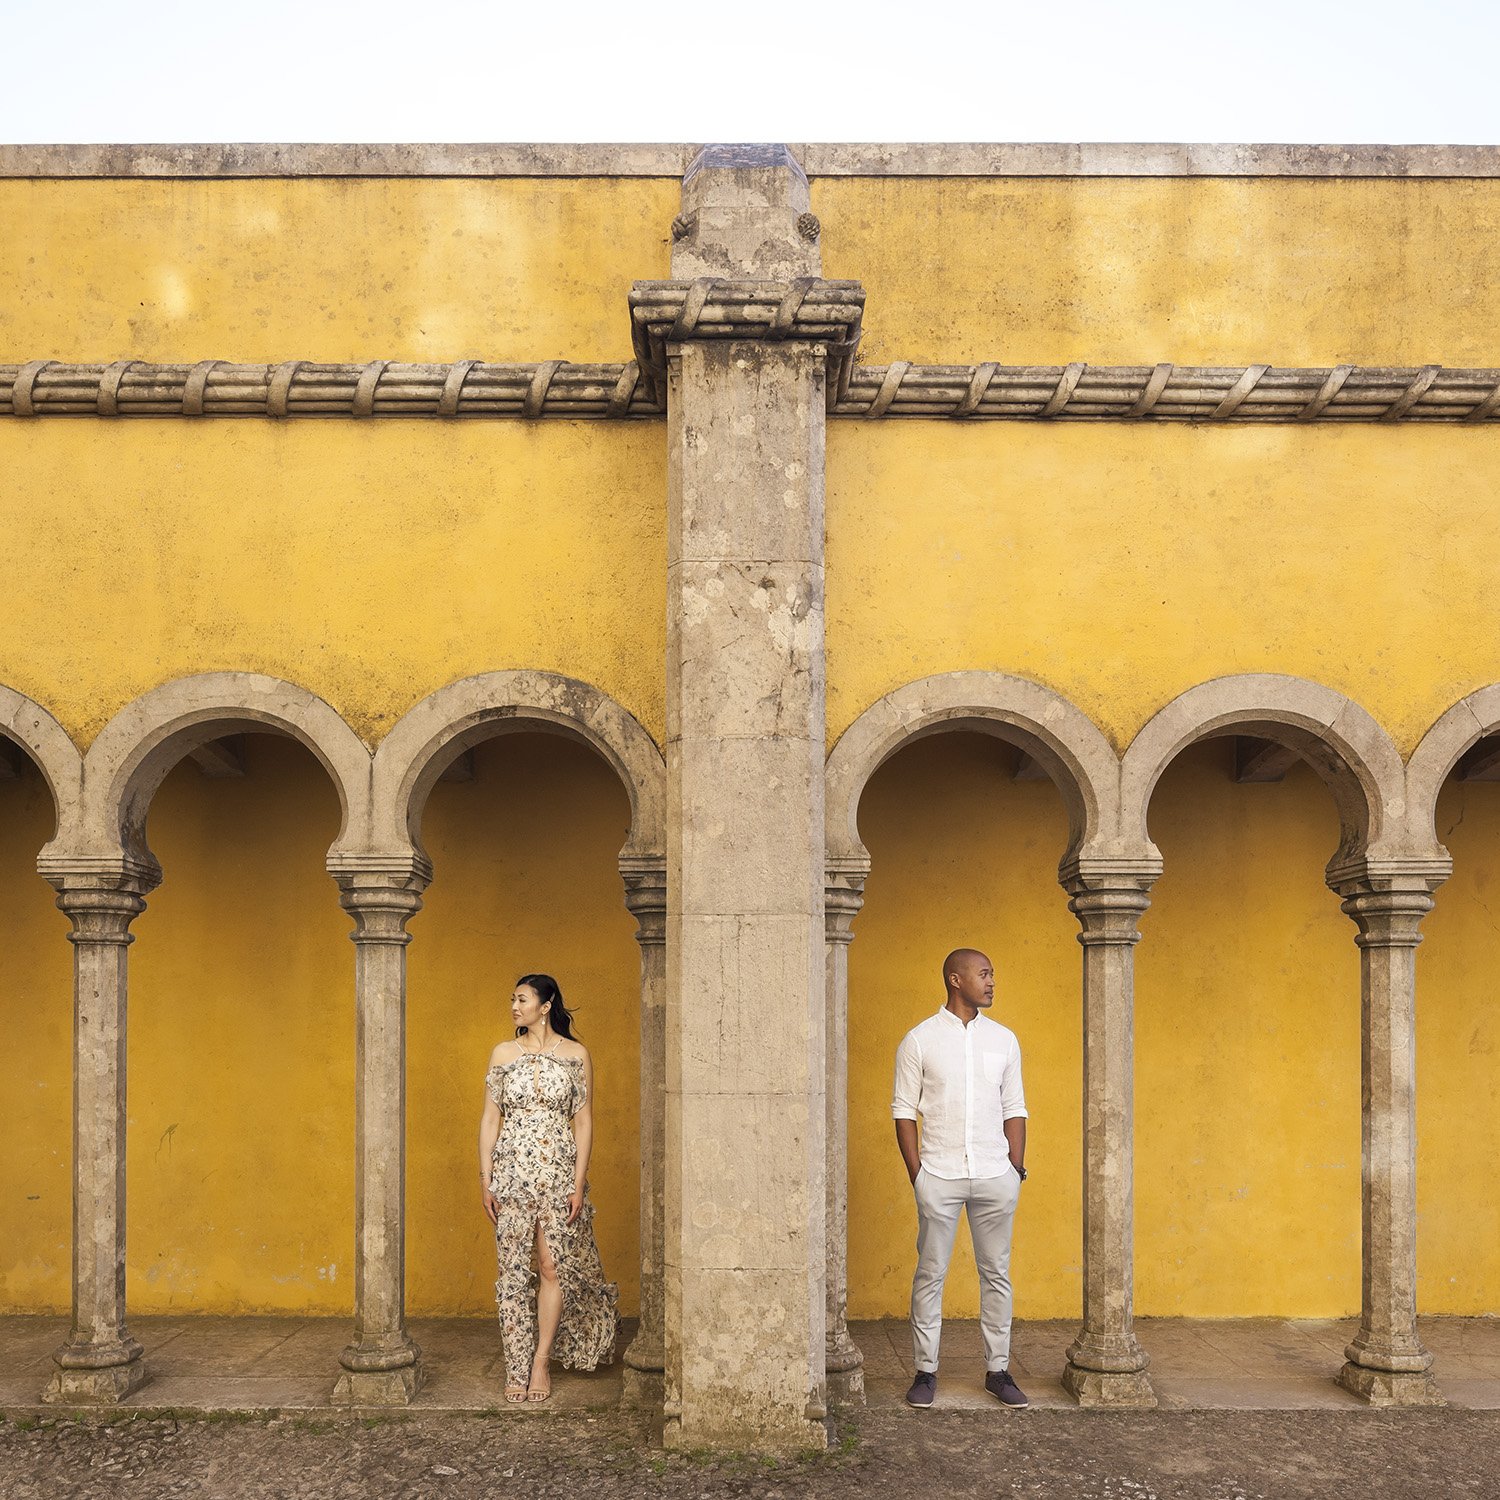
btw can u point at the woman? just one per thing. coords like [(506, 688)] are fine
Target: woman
[(533, 1182)]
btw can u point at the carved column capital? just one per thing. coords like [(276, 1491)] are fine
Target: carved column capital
[(1388, 898), (381, 902), (101, 914), (843, 898), (645, 877), (1109, 897)]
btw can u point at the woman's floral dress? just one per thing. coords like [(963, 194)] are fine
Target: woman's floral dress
[(531, 1174)]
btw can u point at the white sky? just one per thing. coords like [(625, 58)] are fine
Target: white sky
[(923, 70)]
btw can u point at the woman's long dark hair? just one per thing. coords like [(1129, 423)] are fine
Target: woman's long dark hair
[(548, 992)]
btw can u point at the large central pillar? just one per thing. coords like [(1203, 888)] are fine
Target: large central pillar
[(736, 336)]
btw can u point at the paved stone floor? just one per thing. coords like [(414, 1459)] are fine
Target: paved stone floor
[(1250, 1412), (260, 1364)]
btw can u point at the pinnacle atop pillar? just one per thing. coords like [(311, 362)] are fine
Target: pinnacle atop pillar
[(746, 216)]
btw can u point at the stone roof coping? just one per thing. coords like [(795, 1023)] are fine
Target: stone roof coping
[(1025, 159)]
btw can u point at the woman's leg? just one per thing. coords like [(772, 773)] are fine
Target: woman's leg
[(513, 1232), (549, 1304)]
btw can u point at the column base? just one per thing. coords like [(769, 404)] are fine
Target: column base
[(1391, 1387), (99, 1387), (844, 1367), (379, 1377), (378, 1387), (1113, 1388), (645, 1381)]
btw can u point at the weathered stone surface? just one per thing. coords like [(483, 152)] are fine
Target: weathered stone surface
[(745, 1309)]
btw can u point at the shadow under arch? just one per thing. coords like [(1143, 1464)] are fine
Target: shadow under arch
[(1473, 718), (1350, 752), (430, 735), (1057, 735), (28, 725), (135, 751)]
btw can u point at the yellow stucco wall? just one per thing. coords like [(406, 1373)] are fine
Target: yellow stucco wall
[(1122, 564), (374, 562), (1131, 271), (260, 270)]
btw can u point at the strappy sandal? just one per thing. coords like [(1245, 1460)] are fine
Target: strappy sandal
[(516, 1395), (536, 1397)]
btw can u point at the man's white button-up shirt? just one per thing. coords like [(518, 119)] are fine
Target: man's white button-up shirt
[(964, 1082)]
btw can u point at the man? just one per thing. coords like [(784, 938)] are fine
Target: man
[(960, 1072)]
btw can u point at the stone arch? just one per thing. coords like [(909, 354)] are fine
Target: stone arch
[(431, 734), (1058, 736), (29, 725), (130, 759), (1346, 747), (1470, 720)]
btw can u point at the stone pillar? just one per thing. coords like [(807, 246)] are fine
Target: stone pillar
[(646, 896), (1106, 1365), (843, 896), (746, 398), (1387, 1364), (382, 1366), (100, 1362)]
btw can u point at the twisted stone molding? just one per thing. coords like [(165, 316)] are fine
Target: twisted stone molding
[(385, 388), (670, 312), (1183, 393)]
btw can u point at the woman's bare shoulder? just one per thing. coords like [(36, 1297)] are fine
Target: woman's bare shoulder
[(505, 1051), (569, 1047)]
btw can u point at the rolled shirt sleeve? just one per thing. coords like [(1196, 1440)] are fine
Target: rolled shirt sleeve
[(906, 1096), (1012, 1096)]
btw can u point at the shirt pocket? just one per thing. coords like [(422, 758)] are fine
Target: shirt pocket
[(994, 1068)]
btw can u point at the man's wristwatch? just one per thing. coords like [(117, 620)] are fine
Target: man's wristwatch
[(1020, 1172)]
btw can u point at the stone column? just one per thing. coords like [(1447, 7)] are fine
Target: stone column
[(646, 896), (100, 1362), (843, 896), (1106, 1365), (382, 1366), (745, 377), (1387, 1364)]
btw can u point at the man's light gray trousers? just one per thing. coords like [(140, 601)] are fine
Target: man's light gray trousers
[(991, 1202)]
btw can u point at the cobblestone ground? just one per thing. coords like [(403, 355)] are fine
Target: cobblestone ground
[(1082, 1456)]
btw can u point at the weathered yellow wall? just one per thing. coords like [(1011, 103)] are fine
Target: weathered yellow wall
[(36, 1022), (259, 270), (1194, 270), (370, 563), (241, 1051), (1247, 1172), (1122, 564), (1458, 1064)]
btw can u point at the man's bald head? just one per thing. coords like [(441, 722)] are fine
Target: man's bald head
[(969, 979)]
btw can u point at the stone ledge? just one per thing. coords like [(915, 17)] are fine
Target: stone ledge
[(849, 159)]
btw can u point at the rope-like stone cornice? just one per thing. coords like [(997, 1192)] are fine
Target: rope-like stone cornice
[(386, 388), (555, 388)]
